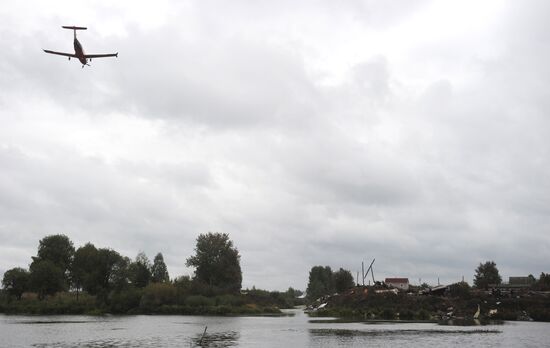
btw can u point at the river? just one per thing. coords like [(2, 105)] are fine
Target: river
[(288, 331)]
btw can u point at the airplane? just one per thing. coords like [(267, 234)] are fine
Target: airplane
[(78, 51)]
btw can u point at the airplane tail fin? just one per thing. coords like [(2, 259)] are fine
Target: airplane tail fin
[(73, 27)]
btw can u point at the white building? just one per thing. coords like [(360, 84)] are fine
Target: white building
[(398, 283)]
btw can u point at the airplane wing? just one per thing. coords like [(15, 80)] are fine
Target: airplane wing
[(61, 53), (101, 55)]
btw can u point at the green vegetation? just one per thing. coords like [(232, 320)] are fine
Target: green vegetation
[(487, 275), (15, 281), (159, 271), (457, 301), (90, 280), (343, 280), (217, 263), (322, 281)]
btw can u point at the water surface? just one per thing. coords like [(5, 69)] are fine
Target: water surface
[(290, 331)]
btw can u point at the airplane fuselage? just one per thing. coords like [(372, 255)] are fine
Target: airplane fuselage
[(79, 51)]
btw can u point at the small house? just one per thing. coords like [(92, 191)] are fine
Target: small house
[(398, 283), (521, 281)]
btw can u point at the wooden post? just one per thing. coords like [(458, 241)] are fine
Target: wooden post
[(204, 333)]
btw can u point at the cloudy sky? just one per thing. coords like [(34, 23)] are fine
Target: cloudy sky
[(312, 132)]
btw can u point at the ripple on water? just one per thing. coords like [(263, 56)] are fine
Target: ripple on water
[(213, 340)]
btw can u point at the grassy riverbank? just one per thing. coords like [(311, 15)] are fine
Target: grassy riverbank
[(150, 300), (369, 305)]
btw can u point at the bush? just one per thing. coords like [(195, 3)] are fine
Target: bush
[(406, 315), (199, 301), (423, 315), (125, 300), (540, 314), (387, 314), (229, 300), (158, 294)]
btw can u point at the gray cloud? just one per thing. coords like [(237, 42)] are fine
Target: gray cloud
[(286, 130)]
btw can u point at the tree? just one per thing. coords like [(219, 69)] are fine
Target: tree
[(486, 275), (59, 250), (140, 271), (46, 278), (84, 263), (343, 280), (544, 282), (293, 293), (159, 270), (104, 270), (217, 262), (460, 289), (16, 281), (118, 271), (320, 282)]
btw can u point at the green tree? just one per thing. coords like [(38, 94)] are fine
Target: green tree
[(460, 289), (217, 262), (46, 278), (544, 282), (159, 270), (320, 282), (140, 271), (16, 281), (118, 271), (110, 272), (293, 293), (58, 249), (343, 280), (85, 268), (487, 274)]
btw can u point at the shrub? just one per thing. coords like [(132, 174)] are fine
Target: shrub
[(423, 315), (230, 300), (125, 300), (406, 315), (158, 294), (199, 301), (387, 314)]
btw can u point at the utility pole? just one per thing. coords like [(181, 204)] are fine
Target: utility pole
[(372, 272), (363, 271)]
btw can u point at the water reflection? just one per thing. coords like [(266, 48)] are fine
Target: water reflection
[(296, 331), (344, 332), (210, 340), (217, 339), (104, 343), (31, 322)]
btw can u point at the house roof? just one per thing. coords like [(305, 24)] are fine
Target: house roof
[(397, 280)]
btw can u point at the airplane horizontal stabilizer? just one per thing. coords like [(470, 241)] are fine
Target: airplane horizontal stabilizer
[(73, 27)]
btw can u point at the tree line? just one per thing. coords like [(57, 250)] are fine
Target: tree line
[(487, 275), (104, 272)]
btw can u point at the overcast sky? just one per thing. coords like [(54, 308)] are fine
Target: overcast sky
[(312, 132)]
